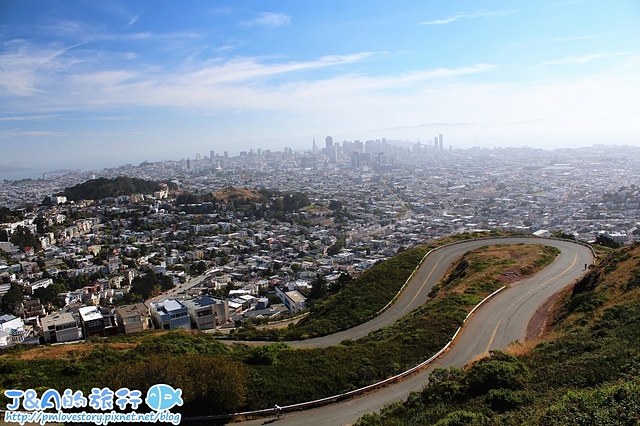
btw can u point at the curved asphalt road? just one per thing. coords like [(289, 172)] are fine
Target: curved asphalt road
[(499, 322)]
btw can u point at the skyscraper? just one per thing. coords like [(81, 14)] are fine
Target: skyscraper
[(330, 149), (329, 143)]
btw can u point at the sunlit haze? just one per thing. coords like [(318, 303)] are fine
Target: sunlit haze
[(89, 84)]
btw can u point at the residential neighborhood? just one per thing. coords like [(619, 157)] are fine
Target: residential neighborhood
[(225, 241)]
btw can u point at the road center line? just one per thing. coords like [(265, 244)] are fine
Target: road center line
[(422, 286), (575, 259), (493, 336), (495, 331)]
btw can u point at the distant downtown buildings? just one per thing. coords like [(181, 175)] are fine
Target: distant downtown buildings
[(378, 148)]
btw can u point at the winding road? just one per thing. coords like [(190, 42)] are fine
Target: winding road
[(500, 321)]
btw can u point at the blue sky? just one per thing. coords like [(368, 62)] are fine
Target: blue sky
[(89, 83)]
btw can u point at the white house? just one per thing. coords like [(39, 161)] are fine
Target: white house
[(14, 327), (293, 300)]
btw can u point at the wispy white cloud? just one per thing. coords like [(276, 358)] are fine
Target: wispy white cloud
[(29, 133), (133, 20), (225, 48), (578, 38), (469, 15), (21, 65), (268, 19), (586, 58), (67, 28), (28, 117), (118, 10), (246, 69), (146, 36), (110, 79), (576, 59), (221, 10)]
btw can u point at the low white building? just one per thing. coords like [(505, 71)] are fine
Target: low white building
[(293, 300), (61, 327), (44, 283), (13, 327)]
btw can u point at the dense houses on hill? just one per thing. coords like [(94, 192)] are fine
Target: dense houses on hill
[(78, 265)]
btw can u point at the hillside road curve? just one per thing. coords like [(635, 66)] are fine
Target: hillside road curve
[(499, 322)]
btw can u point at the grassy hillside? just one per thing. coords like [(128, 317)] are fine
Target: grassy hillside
[(585, 371), (359, 300), (220, 379)]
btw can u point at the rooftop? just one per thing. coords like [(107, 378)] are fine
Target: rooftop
[(58, 318), (6, 318), (168, 305), (90, 313)]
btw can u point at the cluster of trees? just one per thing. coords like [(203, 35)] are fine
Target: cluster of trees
[(49, 295), (12, 301), (254, 202), (98, 189), (8, 215), (320, 289), (339, 211), (290, 203), (22, 237), (151, 284), (335, 248)]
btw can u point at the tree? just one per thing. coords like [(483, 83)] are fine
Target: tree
[(22, 237), (335, 205), (560, 234), (199, 267), (41, 224), (48, 295), (336, 247), (603, 240), (12, 301), (318, 288), (151, 284), (342, 281), (295, 201)]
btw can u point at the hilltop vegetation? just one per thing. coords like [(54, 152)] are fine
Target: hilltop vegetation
[(98, 189), (220, 379), (256, 202), (586, 371)]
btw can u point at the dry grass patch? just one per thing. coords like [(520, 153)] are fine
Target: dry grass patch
[(501, 264), (520, 349), (68, 351), (227, 194)]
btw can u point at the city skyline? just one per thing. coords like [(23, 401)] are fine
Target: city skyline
[(98, 85)]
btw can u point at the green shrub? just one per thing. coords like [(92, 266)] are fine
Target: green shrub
[(499, 371), (462, 418), (502, 400)]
